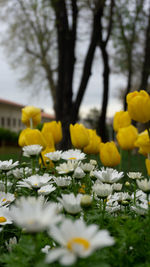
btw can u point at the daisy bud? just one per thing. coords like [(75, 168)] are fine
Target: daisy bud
[(86, 201), (127, 184)]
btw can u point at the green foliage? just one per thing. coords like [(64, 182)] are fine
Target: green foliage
[(8, 136)]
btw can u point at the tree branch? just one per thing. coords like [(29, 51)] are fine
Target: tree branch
[(110, 21), (87, 63)]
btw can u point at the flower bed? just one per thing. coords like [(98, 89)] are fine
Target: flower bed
[(79, 207)]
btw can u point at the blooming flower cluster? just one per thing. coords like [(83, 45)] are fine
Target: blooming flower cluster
[(63, 198)]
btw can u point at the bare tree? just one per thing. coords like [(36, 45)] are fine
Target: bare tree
[(128, 23), (41, 37)]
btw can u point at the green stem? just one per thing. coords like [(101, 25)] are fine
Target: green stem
[(33, 164), (103, 210), (129, 160), (31, 123), (121, 159), (6, 183)]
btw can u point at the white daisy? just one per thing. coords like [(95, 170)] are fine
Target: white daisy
[(108, 175), (32, 150), (144, 185), (6, 198), (71, 203), (87, 167), (102, 190), (112, 206), (62, 181), (117, 187), (4, 216), (34, 181), (135, 175), (93, 162), (76, 240), (8, 164), (74, 154), (120, 197), (54, 156), (33, 214), (140, 196), (58, 206), (141, 208), (21, 172), (67, 167), (46, 189), (78, 173)]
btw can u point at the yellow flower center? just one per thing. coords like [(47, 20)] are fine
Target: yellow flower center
[(72, 158), (4, 199), (79, 241), (149, 203), (36, 184), (81, 190), (2, 219)]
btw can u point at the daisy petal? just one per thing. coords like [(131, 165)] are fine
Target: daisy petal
[(55, 254)]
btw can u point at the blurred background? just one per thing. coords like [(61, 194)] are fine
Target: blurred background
[(75, 59)]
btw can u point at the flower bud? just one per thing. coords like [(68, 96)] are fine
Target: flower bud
[(121, 119), (79, 135), (31, 113), (86, 201), (109, 154), (126, 137), (139, 106)]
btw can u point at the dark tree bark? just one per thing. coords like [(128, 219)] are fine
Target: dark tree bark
[(102, 131), (128, 88), (66, 109), (66, 36)]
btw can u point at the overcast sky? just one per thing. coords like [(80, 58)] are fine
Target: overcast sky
[(11, 90)]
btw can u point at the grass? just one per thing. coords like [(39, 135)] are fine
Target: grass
[(11, 152)]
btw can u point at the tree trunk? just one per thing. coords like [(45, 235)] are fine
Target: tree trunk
[(102, 130), (66, 62), (128, 88)]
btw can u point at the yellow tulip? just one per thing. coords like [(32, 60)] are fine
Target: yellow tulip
[(46, 161), (31, 137), (21, 139), (147, 163), (109, 154), (93, 146), (48, 136), (31, 115), (143, 142), (126, 137), (139, 106), (79, 135), (121, 119), (55, 129)]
